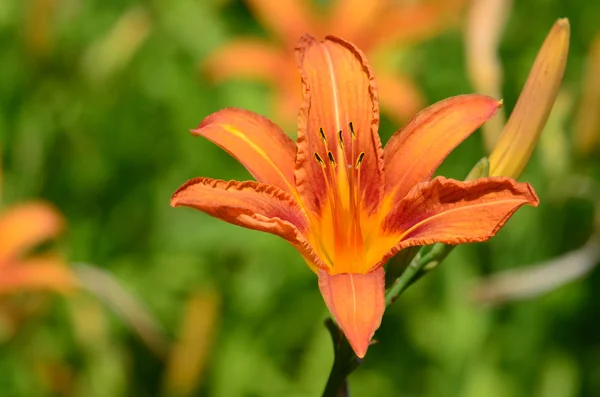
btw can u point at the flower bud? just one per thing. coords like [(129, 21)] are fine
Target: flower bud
[(521, 133)]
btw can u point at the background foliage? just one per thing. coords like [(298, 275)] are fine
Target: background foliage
[(96, 100)]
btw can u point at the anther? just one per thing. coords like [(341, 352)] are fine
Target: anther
[(320, 160), (331, 158), (359, 160), (352, 130), (323, 136), (341, 139)]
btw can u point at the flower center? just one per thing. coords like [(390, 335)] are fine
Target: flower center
[(341, 235)]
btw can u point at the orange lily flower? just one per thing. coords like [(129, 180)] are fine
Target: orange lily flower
[(22, 227), (345, 203), (388, 22)]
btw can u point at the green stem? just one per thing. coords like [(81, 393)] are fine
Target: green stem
[(418, 267), (427, 259), (345, 361)]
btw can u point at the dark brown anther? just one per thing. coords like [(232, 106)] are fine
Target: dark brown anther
[(320, 160), (352, 130), (323, 136), (331, 158), (341, 139), (359, 160)]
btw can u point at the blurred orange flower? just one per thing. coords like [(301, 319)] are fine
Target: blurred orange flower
[(375, 26), (336, 195), (22, 228)]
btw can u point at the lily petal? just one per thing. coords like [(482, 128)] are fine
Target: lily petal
[(454, 212), (413, 153), (260, 145), (48, 273), (400, 97), (251, 205), (350, 17), (339, 89), (24, 226), (288, 19), (418, 22), (357, 303), (246, 58), (262, 61)]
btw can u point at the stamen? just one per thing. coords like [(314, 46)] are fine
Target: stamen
[(331, 158), (359, 160), (358, 238), (320, 160), (323, 136), (334, 201), (341, 139)]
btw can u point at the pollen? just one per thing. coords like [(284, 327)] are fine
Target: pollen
[(351, 126)]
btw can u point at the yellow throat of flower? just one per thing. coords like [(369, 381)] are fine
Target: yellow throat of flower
[(342, 238)]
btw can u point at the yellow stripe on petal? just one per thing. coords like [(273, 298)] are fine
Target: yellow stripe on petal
[(260, 145)]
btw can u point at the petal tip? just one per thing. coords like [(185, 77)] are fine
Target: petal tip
[(533, 199), (357, 303), (174, 202), (306, 40), (359, 342), (485, 102), (175, 199), (206, 121), (217, 118)]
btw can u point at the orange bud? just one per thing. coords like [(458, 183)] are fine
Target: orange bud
[(529, 116)]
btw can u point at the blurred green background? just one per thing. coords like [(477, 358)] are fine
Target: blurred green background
[(94, 117)]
